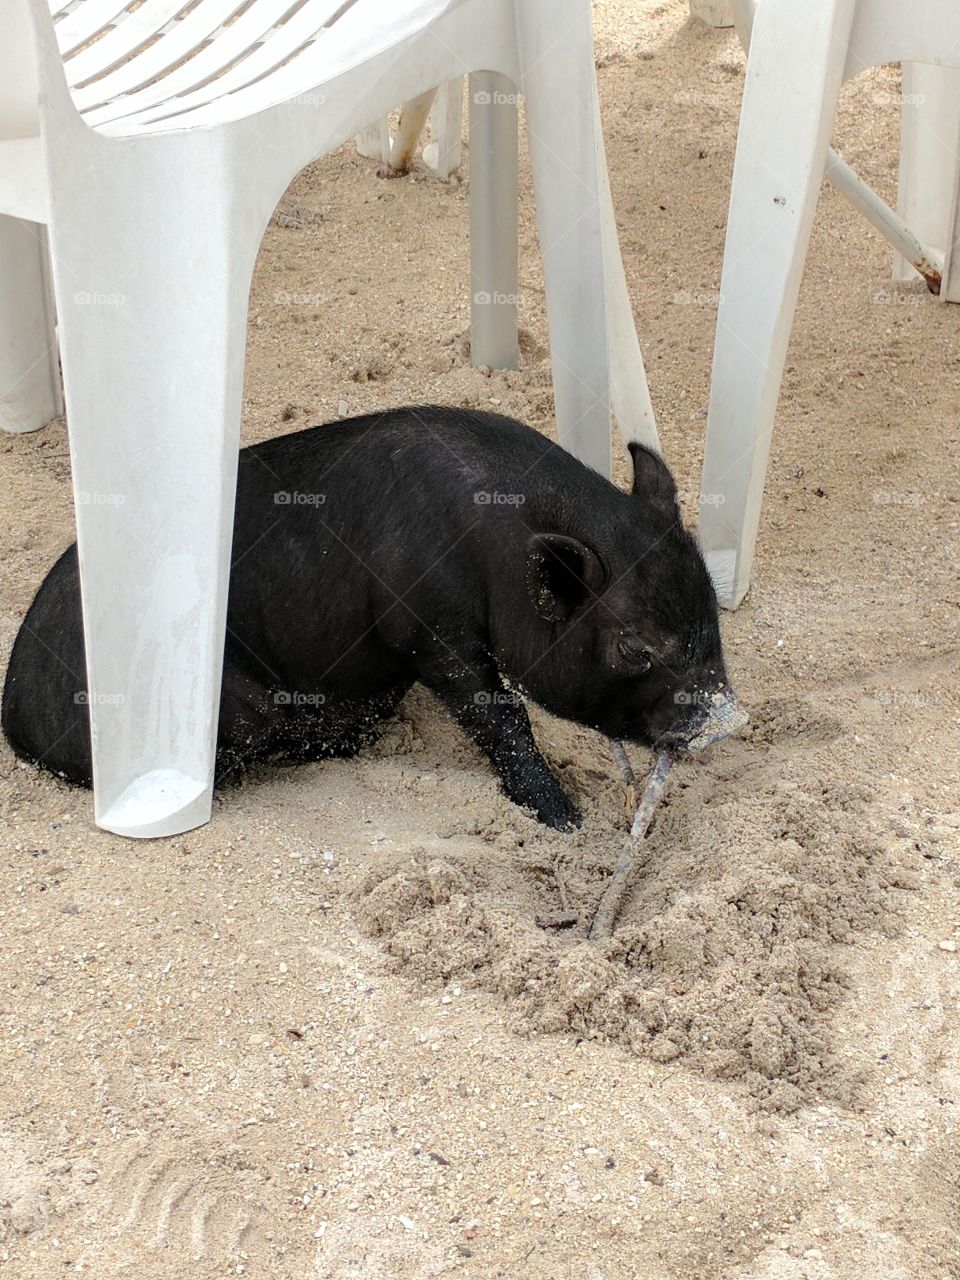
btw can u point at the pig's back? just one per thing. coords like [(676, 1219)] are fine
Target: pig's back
[(360, 531), (416, 460)]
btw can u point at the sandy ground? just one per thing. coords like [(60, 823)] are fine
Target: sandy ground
[(325, 1037)]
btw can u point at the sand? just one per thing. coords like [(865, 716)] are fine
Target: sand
[(337, 1033)]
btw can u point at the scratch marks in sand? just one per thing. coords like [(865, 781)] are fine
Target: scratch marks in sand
[(172, 1201)]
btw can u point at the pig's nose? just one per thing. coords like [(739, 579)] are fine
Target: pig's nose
[(724, 717)]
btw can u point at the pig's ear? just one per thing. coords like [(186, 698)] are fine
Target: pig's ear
[(561, 574), (652, 479)]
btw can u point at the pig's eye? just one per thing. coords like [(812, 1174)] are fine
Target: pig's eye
[(631, 650)]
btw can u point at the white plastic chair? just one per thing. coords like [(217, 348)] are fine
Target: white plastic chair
[(801, 53), (165, 134)]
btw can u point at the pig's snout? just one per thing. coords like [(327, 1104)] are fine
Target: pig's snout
[(724, 717), (703, 720)]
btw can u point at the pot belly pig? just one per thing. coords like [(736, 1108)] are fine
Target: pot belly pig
[(458, 548)]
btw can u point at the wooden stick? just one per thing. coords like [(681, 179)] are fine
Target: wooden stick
[(628, 776), (623, 763), (613, 895), (561, 880)]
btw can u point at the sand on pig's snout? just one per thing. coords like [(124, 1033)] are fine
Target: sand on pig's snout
[(728, 953)]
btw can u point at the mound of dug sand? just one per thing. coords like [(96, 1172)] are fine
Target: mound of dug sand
[(729, 954)]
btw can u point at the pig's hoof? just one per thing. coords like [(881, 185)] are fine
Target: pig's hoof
[(560, 814)]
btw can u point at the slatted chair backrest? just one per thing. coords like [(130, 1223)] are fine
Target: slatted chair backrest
[(164, 64)]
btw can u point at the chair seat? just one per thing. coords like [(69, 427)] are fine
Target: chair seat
[(164, 65)]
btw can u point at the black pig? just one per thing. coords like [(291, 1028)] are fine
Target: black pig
[(458, 548)]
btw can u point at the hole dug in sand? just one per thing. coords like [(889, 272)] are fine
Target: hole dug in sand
[(729, 954)]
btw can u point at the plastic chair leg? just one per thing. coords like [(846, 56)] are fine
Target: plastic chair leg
[(413, 117), (629, 390), (373, 142), (152, 293), (442, 152), (929, 184), (493, 221), (29, 369), (558, 82), (790, 99)]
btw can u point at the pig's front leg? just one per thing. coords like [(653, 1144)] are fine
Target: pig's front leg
[(497, 721)]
